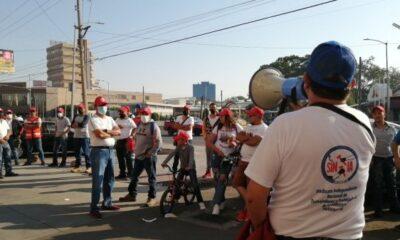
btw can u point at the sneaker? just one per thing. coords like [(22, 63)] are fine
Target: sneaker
[(216, 210), (62, 164), (111, 208), (75, 170), (151, 202), (202, 206), (222, 205), (11, 174), (127, 198), (42, 163), (395, 210), (89, 171), (96, 214), (16, 163), (27, 164), (378, 214), (242, 216), (53, 165), (207, 175), (1, 176), (120, 177)]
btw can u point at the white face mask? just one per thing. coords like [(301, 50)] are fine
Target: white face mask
[(145, 118), (60, 115), (102, 110)]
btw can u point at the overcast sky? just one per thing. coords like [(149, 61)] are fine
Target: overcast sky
[(227, 58)]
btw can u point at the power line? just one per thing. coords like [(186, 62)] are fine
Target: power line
[(51, 20), (14, 11), (217, 30)]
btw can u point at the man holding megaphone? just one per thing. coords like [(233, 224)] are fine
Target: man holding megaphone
[(315, 159)]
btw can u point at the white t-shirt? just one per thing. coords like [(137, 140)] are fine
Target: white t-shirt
[(96, 122), (4, 127), (248, 151), (189, 121), (317, 163), (223, 135), (127, 125)]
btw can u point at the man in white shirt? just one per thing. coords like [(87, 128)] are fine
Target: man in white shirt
[(102, 130), (315, 159), (63, 126), (184, 123), (209, 123), (124, 155), (81, 139), (5, 150), (250, 137)]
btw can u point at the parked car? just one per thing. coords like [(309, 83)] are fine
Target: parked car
[(48, 135), (197, 128)]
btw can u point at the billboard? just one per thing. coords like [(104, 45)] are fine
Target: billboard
[(6, 61)]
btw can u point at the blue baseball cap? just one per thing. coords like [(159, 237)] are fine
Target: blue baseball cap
[(332, 59)]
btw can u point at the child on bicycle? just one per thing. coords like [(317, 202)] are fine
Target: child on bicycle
[(187, 164)]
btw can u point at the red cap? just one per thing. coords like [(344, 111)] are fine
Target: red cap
[(1, 110), (9, 111), (379, 108), (60, 110), (81, 105), (225, 112), (32, 109), (124, 109), (100, 101), (146, 111), (255, 111), (187, 107), (181, 135)]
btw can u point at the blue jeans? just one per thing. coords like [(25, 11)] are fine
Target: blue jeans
[(5, 156), (102, 176), (221, 174), (14, 147), (60, 142), (148, 164), (81, 145), (37, 144)]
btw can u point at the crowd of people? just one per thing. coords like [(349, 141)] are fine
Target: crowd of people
[(306, 174)]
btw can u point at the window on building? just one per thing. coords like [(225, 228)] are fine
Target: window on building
[(133, 97), (147, 98)]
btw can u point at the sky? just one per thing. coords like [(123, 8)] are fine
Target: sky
[(228, 58)]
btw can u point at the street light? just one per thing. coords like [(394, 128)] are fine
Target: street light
[(398, 27), (387, 71)]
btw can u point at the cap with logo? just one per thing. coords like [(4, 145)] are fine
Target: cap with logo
[(255, 111), (100, 101), (332, 65), (181, 135), (378, 108)]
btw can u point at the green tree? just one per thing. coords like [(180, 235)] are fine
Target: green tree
[(290, 66)]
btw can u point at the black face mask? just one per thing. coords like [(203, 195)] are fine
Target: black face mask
[(122, 115), (80, 111), (185, 112), (212, 111)]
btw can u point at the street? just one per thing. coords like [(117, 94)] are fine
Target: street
[(48, 203)]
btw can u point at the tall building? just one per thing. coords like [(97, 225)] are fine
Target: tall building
[(60, 62), (204, 90)]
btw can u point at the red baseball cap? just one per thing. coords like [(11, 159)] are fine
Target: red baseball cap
[(100, 101), (255, 111), (1, 110), (146, 111), (124, 109), (60, 110), (9, 111), (81, 105), (225, 112), (181, 135), (32, 109), (378, 108)]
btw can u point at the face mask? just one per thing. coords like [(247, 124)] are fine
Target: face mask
[(122, 115), (185, 112), (102, 110), (60, 115), (80, 111), (212, 111), (145, 119)]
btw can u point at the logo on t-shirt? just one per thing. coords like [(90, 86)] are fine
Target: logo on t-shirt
[(339, 164)]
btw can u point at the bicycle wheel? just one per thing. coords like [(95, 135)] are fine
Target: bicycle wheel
[(167, 202), (189, 195)]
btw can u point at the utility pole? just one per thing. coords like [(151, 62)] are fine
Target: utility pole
[(29, 97), (143, 100), (81, 34), (73, 76), (221, 98), (387, 83), (359, 83)]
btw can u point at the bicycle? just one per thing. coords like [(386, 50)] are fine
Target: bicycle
[(176, 189)]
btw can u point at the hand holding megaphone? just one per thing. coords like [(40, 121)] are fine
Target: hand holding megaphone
[(268, 88)]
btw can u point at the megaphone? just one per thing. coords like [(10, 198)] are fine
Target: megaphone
[(268, 88)]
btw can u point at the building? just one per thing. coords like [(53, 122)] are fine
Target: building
[(204, 90), (60, 64), (180, 101)]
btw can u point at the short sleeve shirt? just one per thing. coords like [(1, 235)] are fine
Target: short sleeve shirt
[(256, 130), (384, 138), (189, 121), (317, 163), (4, 127), (224, 135), (61, 125), (127, 125), (105, 123)]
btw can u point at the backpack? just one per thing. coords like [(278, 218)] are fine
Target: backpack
[(152, 127)]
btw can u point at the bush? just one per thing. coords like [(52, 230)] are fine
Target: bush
[(155, 116)]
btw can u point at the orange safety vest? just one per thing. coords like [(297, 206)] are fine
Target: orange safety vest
[(33, 132)]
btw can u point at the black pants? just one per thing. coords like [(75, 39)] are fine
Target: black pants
[(312, 238), (124, 158), (383, 174), (176, 159), (193, 181)]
